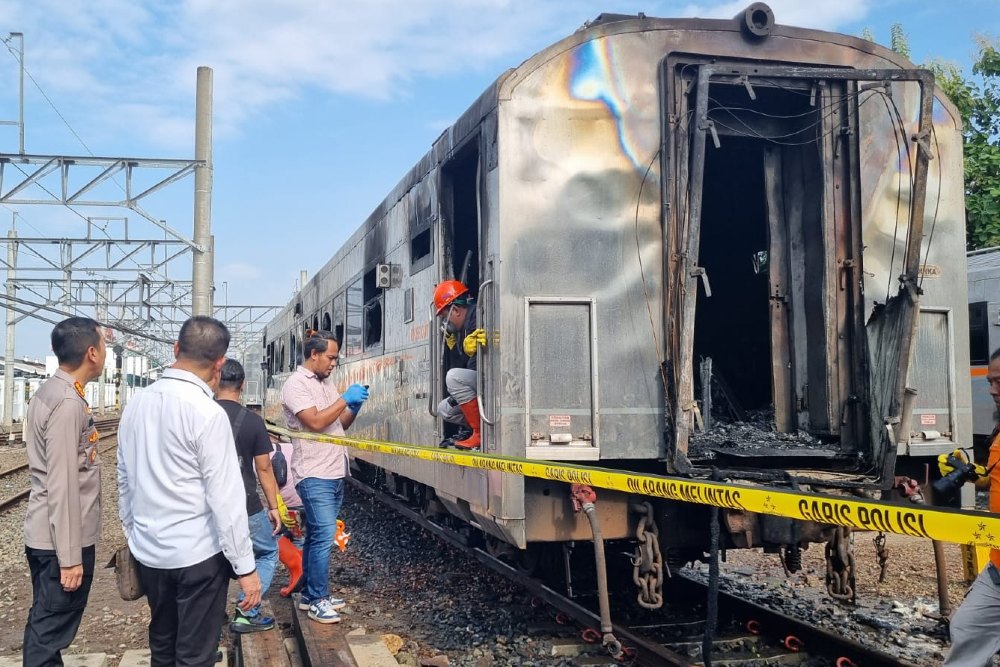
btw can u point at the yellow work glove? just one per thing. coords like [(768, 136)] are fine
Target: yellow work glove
[(449, 340), (945, 468), (474, 341), (288, 521)]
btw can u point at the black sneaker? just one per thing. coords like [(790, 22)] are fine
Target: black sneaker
[(251, 621), (463, 433)]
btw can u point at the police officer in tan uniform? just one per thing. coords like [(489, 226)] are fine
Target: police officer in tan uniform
[(63, 520)]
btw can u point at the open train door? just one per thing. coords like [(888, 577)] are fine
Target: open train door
[(468, 245), (766, 275)]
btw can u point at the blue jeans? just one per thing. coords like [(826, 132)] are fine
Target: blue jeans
[(265, 549), (322, 499)]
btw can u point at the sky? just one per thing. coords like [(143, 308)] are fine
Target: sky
[(320, 107)]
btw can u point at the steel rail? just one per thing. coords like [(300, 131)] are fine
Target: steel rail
[(14, 499), (108, 421), (814, 641), (776, 624)]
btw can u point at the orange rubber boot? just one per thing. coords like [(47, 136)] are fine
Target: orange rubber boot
[(291, 557), (471, 412)]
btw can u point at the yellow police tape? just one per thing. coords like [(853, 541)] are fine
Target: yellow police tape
[(938, 523)]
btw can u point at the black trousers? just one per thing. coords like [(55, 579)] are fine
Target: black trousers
[(188, 607), (55, 615)]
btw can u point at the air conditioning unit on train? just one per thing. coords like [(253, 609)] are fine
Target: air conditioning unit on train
[(383, 276)]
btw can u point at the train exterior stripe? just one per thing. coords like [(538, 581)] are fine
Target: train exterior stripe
[(948, 525)]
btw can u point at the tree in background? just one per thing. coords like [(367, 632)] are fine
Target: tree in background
[(978, 101)]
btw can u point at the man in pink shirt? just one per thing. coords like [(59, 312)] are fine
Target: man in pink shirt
[(312, 403)]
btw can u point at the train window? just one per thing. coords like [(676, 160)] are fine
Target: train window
[(354, 335), (408, 305), (421, 221), (292, 352), (327, 322), (338, 319), (420, 251), (373, 311), (979, 334), (281, 358), (315, 325)]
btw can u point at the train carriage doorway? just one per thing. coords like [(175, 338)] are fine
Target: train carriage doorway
[(461, 213), (774, 243)]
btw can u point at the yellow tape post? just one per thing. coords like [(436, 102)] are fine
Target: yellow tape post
[(938, 523)]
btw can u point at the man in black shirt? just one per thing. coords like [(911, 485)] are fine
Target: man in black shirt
[(253, 448)]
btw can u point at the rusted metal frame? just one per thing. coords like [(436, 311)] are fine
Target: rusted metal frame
[(793, 201), (778, 290), (840, 317), (687, 276), (853, 277), (830, 373), (908, 279), (668, 220), (909, 289)]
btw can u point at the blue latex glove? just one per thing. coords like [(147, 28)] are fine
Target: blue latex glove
[(355, 407), (356, 394)]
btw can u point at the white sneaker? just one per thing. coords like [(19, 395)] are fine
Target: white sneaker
[(322, 611)]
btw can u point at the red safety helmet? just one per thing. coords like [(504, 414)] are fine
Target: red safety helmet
[(447, 293)]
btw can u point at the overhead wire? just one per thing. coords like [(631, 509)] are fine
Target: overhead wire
[(10, 49), (83, 143), (642, 274)]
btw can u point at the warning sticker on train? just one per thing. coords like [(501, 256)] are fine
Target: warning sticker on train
[(949, 525)]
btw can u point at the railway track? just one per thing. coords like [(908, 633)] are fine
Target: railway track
[(748, 634), (107, 427)]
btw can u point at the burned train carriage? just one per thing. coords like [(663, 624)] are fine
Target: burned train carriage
[(693, 243)]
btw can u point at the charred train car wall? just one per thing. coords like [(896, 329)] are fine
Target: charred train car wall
[(640, 196)]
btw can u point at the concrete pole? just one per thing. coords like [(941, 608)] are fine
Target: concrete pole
[(8, 365), (203, 264)]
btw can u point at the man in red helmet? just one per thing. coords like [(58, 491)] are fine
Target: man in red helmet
[(457, 311)]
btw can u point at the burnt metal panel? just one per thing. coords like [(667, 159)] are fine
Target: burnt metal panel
[(778, 288)]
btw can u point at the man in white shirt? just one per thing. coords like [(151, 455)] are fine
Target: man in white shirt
[(178, 486)]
